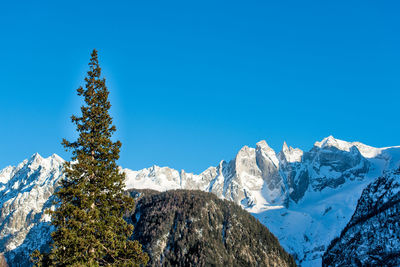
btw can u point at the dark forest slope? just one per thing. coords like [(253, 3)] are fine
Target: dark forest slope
[(194, 228)]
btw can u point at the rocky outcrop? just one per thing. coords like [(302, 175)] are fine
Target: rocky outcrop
[(331, 167), (292, 171), (328, 164)]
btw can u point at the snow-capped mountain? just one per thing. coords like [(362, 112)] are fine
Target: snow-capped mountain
[(259, 177), (25, 192), (304, 198)]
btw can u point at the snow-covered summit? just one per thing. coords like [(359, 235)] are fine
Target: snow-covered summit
[(330, 141), (365, 150), (25, 190), (291, 154)]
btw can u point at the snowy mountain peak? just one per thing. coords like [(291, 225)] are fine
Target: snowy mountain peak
[(5, 174), (57, 158), (37, 161), (246, 154), (290, 154), (285, 147), (265, 151), (35, 158), (354, 147), (263, 145), (330, 141), (245, 149)]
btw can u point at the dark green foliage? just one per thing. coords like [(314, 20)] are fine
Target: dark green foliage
[(90, 229), (194, 228)]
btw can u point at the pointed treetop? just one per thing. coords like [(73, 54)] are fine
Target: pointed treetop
[(90, 229)]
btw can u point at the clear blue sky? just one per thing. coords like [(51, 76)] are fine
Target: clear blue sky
[(191, 82)]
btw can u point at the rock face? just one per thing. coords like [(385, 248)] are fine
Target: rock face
[(332, 164), (304, 198), (194, 228), (372, 237), (327, 164)]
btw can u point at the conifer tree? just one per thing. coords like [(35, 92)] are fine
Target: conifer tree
[(89, 225)]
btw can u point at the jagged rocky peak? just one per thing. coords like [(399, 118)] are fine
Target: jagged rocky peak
[(201, 181), (56, 158), (245, 152), (5, 174), (35, 158), (265, 151), (155, 177), (263, 145), (166, 172), (331, 149), (256, 167), (292, 172), (330, 163), (365, 150), (333, 162), (290, 154), (268, 163), (34, 170), (330, 141), (285, 147), (245, 162)]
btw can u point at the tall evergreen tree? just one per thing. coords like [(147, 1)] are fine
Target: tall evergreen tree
[(89, 225)]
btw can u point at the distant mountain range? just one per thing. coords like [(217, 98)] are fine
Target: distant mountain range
[(306, 198)]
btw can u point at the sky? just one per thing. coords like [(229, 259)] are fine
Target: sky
[(191, 82)]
